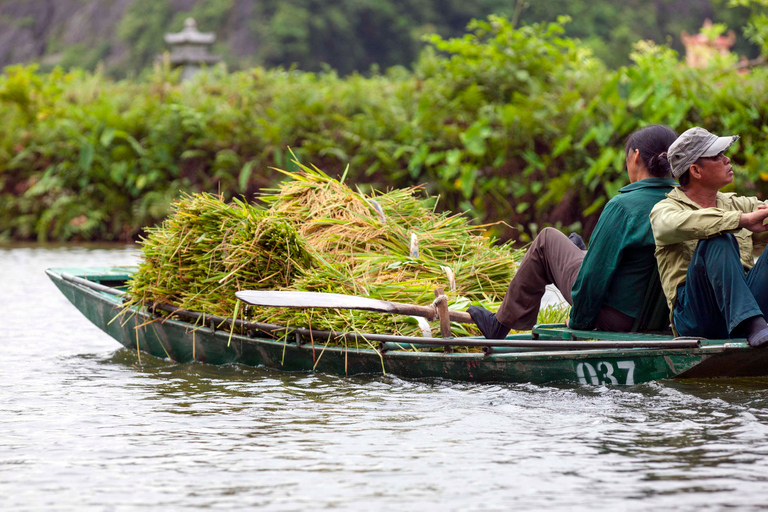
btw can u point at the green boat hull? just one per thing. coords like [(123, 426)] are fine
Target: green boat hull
[(183, 342)]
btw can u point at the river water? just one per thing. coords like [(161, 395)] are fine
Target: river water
[(85, 425)]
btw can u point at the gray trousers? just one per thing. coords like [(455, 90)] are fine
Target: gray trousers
[(551, 259)]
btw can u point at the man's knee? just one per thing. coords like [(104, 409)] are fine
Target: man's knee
[(549, 241), (722, 246), (715, 255)]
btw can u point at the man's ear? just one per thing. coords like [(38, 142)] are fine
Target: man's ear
[(695, 171)]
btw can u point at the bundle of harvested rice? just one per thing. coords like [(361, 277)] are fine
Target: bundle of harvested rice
[(374, 236), (207, 249), (317, 234)]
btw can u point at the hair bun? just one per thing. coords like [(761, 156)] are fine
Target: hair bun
[(658, 165), (652, 143)]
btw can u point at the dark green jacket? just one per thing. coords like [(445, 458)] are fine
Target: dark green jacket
[(620, 260)]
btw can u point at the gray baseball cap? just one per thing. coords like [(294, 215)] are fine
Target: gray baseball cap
[(694, 144)]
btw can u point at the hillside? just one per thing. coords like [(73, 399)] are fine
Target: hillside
[(349, 35)]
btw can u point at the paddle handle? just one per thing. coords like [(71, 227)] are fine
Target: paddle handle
[(428, 312), (460, 316)]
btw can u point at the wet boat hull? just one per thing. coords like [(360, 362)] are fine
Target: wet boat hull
[(183, 342)]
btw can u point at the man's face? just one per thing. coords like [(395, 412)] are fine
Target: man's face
[(716, 171)]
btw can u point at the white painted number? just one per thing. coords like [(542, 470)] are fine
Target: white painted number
[(604, 373), (607, 369), (590, 370), (630, 367)]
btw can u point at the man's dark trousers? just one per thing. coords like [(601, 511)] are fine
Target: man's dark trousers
[(717, 294)]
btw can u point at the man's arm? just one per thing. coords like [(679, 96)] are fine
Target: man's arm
[(753, 221), (673, 224)]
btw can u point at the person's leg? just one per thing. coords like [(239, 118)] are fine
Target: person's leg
[(551, 259), (757, 279), (715, 298)]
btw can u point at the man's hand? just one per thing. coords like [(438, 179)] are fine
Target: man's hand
[(754, 221)]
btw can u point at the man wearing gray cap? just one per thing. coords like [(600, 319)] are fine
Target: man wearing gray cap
[(704, 245)]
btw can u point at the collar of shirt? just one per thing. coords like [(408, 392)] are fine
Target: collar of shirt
[(649, 183)]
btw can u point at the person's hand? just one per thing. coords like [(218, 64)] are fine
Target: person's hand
[(566, 321), (754, 221)]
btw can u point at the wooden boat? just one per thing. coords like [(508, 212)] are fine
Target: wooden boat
[(550, 353)]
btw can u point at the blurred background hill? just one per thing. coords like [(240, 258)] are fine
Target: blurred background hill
[(125, 36)]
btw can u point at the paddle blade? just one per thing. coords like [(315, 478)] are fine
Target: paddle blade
[(290, 299)]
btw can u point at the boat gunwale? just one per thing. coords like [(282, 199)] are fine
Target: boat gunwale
[(711, 347)]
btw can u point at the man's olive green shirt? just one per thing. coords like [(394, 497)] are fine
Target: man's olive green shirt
[(679, 223)]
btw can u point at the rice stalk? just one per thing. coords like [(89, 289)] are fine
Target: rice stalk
[(317, 234)]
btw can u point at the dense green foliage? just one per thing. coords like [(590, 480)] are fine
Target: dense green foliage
[(517, 125), (756, 29)]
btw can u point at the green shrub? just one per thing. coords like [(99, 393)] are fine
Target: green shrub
[(520, 125)]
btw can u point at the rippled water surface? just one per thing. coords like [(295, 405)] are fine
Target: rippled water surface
[(85, 425)]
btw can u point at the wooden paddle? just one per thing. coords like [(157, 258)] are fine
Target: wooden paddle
[(289, 299)]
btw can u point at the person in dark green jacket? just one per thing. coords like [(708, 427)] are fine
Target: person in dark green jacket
[(606, 285), (620, 261)]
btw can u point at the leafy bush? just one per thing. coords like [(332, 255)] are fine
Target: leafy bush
[(518, 125)]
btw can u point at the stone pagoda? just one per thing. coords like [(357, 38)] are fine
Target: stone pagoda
[(191, 49)]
